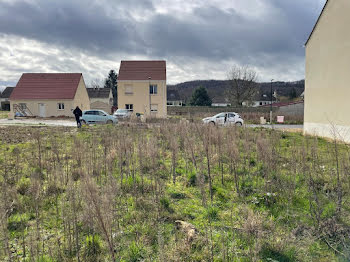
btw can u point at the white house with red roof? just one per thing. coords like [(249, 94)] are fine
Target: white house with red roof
[(142, 87), (49, 94)]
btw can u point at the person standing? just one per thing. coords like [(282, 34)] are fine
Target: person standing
[(78, 113)]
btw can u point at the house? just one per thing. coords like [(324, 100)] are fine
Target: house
[(327, 88), (261, 99), (142, 87), (173, 98), (49, 94), (101, 98), (220, 102), (4, 98)]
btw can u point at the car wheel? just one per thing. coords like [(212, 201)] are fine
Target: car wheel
[(82, 122), (212, 123), (109, 122), (239, 124)]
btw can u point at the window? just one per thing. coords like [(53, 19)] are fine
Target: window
[(153, 89), (261, 103), (154, 108), (128, 90), (60, 106), (129, 107), (230, 115), (22, 106)]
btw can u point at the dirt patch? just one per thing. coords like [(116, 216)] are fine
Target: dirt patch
[(22, 134)]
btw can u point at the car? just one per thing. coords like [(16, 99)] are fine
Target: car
[(96, 116), (224, 119), (122, 113)]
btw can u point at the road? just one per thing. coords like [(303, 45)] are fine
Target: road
[(37, 122), (280, 127)]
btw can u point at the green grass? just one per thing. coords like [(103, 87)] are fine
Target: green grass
[(79, 193)]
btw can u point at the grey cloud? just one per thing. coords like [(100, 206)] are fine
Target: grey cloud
[(210, 34)]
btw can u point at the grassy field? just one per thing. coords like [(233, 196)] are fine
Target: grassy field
[(179, 192), (4, 114)]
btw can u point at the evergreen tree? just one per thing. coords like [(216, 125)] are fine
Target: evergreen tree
[(293, 93), (200, 97), (111, 82)]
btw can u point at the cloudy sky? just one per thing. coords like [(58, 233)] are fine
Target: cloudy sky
[(199, 39)]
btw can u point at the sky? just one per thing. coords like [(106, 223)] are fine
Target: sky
[(199, 39)]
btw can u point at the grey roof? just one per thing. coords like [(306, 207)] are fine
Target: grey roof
[(173, 95), (7, 92), (220, 100), (98, 92)]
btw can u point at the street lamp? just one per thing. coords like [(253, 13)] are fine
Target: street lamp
[(271, 104), (149, 91)]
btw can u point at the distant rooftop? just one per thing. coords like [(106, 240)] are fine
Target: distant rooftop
[(7, 92), (98, 92)]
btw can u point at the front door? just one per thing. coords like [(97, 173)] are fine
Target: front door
[(42, 110)]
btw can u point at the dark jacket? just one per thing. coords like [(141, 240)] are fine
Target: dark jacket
[(77, 112)]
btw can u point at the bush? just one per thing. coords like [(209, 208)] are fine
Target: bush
[(212, 213), (92, 248), (23, 185), (136, 252), (17, 222)]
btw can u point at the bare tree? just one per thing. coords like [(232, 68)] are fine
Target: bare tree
[(242, 85), (96, 83)]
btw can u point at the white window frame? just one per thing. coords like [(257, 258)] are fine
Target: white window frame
[(129, 89), (60, 106), (153, 89), (128, 106)]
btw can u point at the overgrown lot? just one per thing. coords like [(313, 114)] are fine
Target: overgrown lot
[(179, 192)]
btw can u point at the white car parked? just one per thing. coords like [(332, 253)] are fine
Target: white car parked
[(224, 119), (122, 113)]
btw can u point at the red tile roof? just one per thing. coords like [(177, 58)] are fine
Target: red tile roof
[(46, 86), (142, 70)]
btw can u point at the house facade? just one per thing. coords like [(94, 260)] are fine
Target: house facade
[(142, 87), (5, 98), (327, 88), (49, 94), (101, 98)]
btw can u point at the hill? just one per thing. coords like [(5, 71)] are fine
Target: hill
[(216, 88)]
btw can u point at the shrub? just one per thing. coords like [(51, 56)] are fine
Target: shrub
[(17, 222), (165, 203), (212, 213), (92, 248), (136, 252), (23, 185)]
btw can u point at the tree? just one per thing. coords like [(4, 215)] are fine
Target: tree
[(200, 97), (111, 82), (242, 85), (293, 93)]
